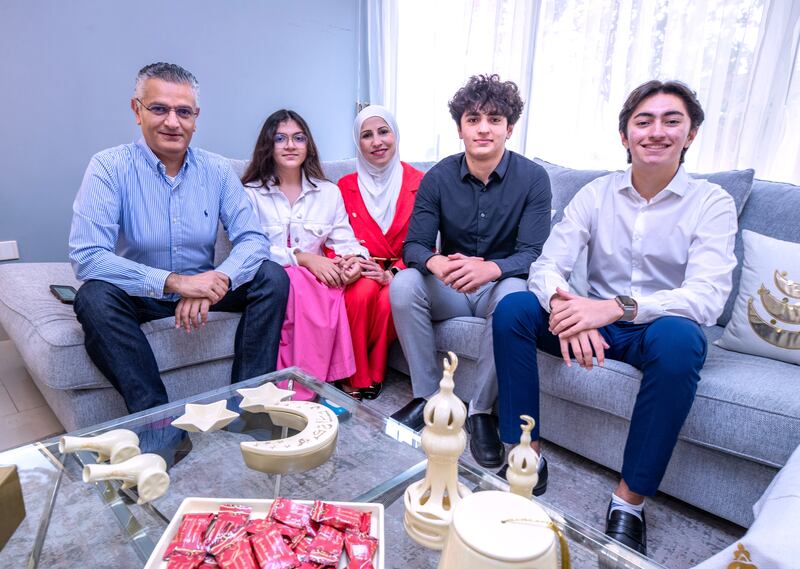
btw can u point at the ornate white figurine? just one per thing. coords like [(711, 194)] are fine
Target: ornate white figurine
[(148, 472), (313, 445), (523, 462), (205, 418), (117, 445), (429, 503)]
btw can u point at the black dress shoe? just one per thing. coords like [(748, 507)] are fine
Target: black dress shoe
[(411, 415), (627, 529), (541, 484), (484, 440), (372, 391)]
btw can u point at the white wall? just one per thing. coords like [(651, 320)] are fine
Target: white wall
[(68, 69)]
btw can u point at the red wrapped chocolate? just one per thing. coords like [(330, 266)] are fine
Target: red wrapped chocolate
[(302, 548), (341, 518), (179, 559), (257, 526), (189, 536), (231, 519), (290, 513), (237, 554), (326, 548), (360, 550), (209, 562), (271, 551)]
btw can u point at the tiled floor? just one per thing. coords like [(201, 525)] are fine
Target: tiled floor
[(24, 414)]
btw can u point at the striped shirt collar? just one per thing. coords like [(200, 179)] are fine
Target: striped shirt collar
[(157, 164)]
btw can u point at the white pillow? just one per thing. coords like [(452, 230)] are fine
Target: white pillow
[(766, 315)]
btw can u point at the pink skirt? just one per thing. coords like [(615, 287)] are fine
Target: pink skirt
[(316, 335)]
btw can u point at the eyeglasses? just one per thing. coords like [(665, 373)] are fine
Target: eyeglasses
[(299, 139), (184, 113)]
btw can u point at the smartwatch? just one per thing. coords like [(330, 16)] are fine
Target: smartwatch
[(628, 306), (394, 271)]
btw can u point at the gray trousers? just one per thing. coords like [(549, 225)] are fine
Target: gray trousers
[(420, 300)]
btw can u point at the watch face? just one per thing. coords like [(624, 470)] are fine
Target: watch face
[(626, 300)]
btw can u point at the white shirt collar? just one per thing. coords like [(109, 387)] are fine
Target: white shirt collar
[(677, 185), (272, 188)]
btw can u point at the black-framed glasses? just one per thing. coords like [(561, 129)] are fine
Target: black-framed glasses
[(298, 138), (159, 110)]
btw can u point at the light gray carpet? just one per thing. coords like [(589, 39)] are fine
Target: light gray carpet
[(679, 535)]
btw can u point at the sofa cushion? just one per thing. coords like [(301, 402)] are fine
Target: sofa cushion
[(770, 210), (565, 183), (766, 316), (50, 338), (741, 402)]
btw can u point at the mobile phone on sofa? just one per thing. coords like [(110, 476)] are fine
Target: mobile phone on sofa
[(64, 293)]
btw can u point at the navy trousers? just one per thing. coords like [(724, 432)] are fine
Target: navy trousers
[(116, 344), (670, 352)]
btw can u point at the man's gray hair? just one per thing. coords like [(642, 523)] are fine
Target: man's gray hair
[(166, 72)]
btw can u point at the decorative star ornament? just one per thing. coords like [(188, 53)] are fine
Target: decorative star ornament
[(199, 418), (257, 399)]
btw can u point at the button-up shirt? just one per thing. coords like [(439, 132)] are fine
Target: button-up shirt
[(505, 220), (316, 219), (672, 254), (132, 226)]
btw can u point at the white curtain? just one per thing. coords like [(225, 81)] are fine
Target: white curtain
[(576, 60), (438, 45)]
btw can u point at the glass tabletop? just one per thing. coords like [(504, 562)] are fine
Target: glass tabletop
[(70, 523)]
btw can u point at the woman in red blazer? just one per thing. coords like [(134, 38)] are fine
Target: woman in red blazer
[(378, 198)]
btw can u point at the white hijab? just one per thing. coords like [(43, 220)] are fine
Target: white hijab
[(379, 187)]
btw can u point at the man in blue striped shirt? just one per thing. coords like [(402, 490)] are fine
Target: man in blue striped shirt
[(143, 235)]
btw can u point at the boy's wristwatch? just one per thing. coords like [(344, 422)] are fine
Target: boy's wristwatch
[(628, 306)]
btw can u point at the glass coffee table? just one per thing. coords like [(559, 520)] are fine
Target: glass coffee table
[(72, 524)]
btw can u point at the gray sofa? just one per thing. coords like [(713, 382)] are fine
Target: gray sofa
[(745, 421), (743, 426)]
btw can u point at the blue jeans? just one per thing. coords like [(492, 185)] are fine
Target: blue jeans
[(116, 344), (670, 352)]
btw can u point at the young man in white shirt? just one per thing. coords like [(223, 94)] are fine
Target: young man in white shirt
[(660, 256)]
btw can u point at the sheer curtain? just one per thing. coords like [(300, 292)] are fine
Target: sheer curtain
[(437, 45), (576, 60)]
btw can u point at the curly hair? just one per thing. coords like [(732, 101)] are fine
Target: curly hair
[(654, 87), (486, 93), (262, 166)]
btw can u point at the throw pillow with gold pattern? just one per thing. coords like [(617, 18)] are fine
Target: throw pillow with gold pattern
[(766, 317)]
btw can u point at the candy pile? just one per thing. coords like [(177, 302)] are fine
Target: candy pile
[(292, 536)]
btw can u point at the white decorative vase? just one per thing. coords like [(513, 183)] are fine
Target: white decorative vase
[(148, 472), (523, 462), (117, 445), (499, 530), (429, 503)]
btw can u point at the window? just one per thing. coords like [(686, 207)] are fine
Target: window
[(576, 60)]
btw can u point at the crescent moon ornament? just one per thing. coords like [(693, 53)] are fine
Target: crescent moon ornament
[(786, 286), (786, 339), (780, 309), (313, 445)]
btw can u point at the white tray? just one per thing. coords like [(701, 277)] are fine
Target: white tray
[(260, 510)]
